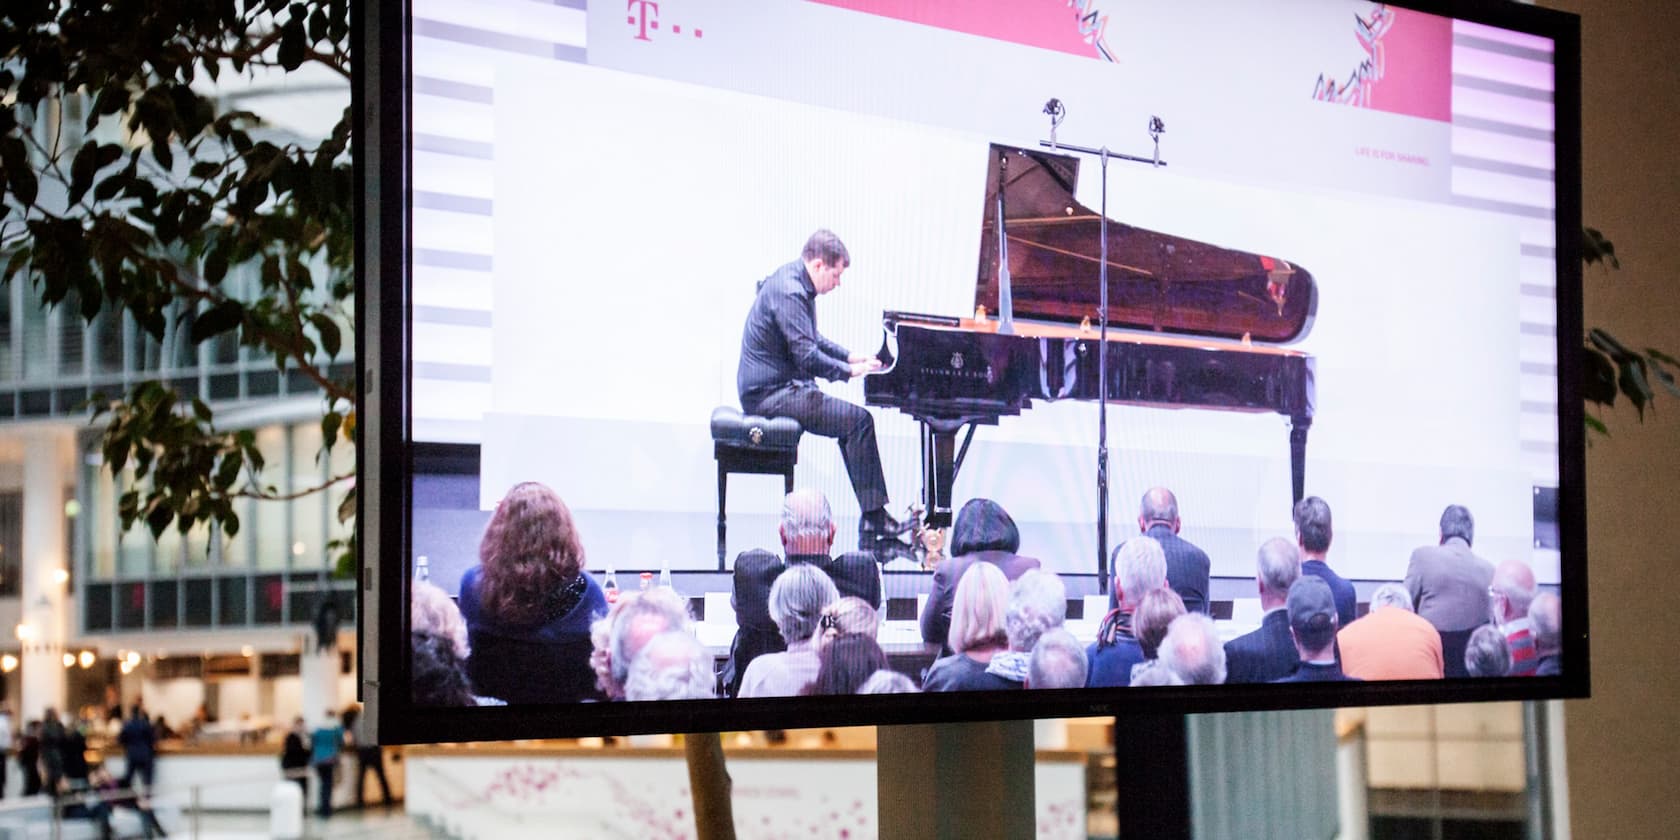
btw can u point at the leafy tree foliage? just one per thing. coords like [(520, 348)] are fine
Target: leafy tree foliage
[(129, 188), (1610, 367)]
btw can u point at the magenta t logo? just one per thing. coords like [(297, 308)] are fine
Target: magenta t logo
[(644, 15)]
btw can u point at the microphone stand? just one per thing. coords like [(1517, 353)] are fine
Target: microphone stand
[(1104, 155)]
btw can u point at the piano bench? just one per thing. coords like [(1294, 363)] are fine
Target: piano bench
[(751, 444)]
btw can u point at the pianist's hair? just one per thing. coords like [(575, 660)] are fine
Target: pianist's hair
[(1312, 520), (824, 245), (983, 525), (529, 551)]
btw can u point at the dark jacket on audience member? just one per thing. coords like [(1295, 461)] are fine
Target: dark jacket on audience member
[(1266, 654), (959, 673), (1187, 568), (1309, 672), (542, 663), (936, 615), (855, 574), (1111, 664), (1347, 600)]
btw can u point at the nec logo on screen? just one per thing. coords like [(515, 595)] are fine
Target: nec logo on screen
[(644, 21)]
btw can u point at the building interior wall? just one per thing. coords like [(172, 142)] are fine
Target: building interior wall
[(1622, 742)]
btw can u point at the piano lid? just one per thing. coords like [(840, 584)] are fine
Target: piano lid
[(1156, 281)]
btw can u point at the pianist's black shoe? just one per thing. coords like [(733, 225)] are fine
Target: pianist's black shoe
[(879, 525)]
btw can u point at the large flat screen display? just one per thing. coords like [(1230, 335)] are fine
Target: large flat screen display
[(1191, 355)]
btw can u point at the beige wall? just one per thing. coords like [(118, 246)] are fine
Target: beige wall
[(1624, 742)]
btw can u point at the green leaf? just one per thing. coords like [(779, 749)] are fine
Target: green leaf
[(329, 428), (1634, 384), (1603, 340), (347, 508), (206, 169), (227, 472), (201, 411), (215, 265), (293, 45), (230, 523), (159, 517), (329, 332), (108, 188), (82, 169), (1598, 377), (1667, 380), (216, 320), (1593, 423), (1596, 249), (1660, 356)]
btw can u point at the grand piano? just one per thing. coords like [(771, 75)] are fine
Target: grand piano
[(1193, 326)]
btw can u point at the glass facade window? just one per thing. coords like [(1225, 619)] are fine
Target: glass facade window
[(269, 521), (308, 513)]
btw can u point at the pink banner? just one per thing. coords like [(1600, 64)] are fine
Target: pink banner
[(1077, 29), (1407, 69)]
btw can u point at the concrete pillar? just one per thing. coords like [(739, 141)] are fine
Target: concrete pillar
[(318, 675), (43, 631)]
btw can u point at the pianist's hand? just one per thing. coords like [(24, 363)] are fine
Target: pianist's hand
[(866, 365)]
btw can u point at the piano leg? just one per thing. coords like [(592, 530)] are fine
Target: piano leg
[(939, 469), (1298, 426)]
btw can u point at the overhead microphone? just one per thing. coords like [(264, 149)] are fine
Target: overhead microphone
[(1057, 113)]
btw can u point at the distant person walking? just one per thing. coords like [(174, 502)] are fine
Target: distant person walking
[(325, 744)]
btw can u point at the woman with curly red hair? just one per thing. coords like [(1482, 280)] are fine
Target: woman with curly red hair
[(529, 601)]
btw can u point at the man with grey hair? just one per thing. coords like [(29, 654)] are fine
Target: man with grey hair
[(1191, 650), (1140, 565), (1512, 591), (1037, 604), (1187, 565), (627, 628), (807, 534), (671, 666), (1545, 615), (1268, 652), (796, 604), (1449, 585), (1057, 661), (1487, 654), (1391, 642), (1312, 534)]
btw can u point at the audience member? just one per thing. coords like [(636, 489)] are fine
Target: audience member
[(1187, 565), (628, 625), (796, 603), (29, 757), (1057, 661), (983, 533), (139, 743), (1191, 651), (1312, 624), (1449, 586), (977, 634), (1140, 566), (807, 534), (1155, 674), (432, 610), (1488, 654), (369, 756), (1390, 642), (53, 736), (846, 616), (671, 666), (844, 664), (1312, 535), (1512, 591), (529, 602), (887, 682), (1545, 617), (1268, 653), (1037, 603), (439, 674), (1154, 613)]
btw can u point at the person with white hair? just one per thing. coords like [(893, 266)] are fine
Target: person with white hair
[(807, 535), (1192, 651), (797, 601), (1512, 591), (977, 634), (1037, 604), (1140, 566), (1391, 642), (887, 682), (1545, 614), (671, 666), (1487, 654), (627, 626), (1057, 661), (1269, 652)]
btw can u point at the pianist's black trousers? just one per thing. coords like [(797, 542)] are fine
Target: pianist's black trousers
[(828, 416)]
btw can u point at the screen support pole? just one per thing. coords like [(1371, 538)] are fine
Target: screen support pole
[(1152, 776), (1104, 155), (956, 780)]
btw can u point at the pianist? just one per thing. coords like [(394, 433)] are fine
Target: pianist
[(782, 355)]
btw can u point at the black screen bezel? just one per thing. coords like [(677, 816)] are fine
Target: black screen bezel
[(383, 160)]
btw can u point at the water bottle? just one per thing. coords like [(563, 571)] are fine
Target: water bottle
[(647, 581), (422, 569), (609, 586), (665, 575)]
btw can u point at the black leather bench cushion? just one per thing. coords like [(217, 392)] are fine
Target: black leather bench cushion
[(751, 431)]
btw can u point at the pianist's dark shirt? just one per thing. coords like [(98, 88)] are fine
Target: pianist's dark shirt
[(780, 343)]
